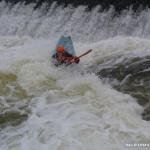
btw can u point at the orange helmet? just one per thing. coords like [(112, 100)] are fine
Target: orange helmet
[(60, 48)]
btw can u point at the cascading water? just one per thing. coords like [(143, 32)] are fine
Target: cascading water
[(73, 108)]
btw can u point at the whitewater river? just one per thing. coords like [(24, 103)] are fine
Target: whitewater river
[(47, 108)]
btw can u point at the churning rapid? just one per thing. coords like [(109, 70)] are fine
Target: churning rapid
[(101, 103)]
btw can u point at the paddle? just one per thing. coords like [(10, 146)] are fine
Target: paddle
[(77, 58), (85, 53), (80, 55)]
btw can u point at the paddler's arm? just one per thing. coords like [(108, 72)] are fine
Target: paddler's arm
[(67, 57), (54, 60), (71, 59), (76, 59)]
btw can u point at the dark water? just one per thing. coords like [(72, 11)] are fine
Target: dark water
[(105, 4), (131, 76)]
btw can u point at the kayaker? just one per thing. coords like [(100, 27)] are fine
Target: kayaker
[(63, 57)]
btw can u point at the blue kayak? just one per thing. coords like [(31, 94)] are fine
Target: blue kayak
[(66, 41), (68, 45)]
